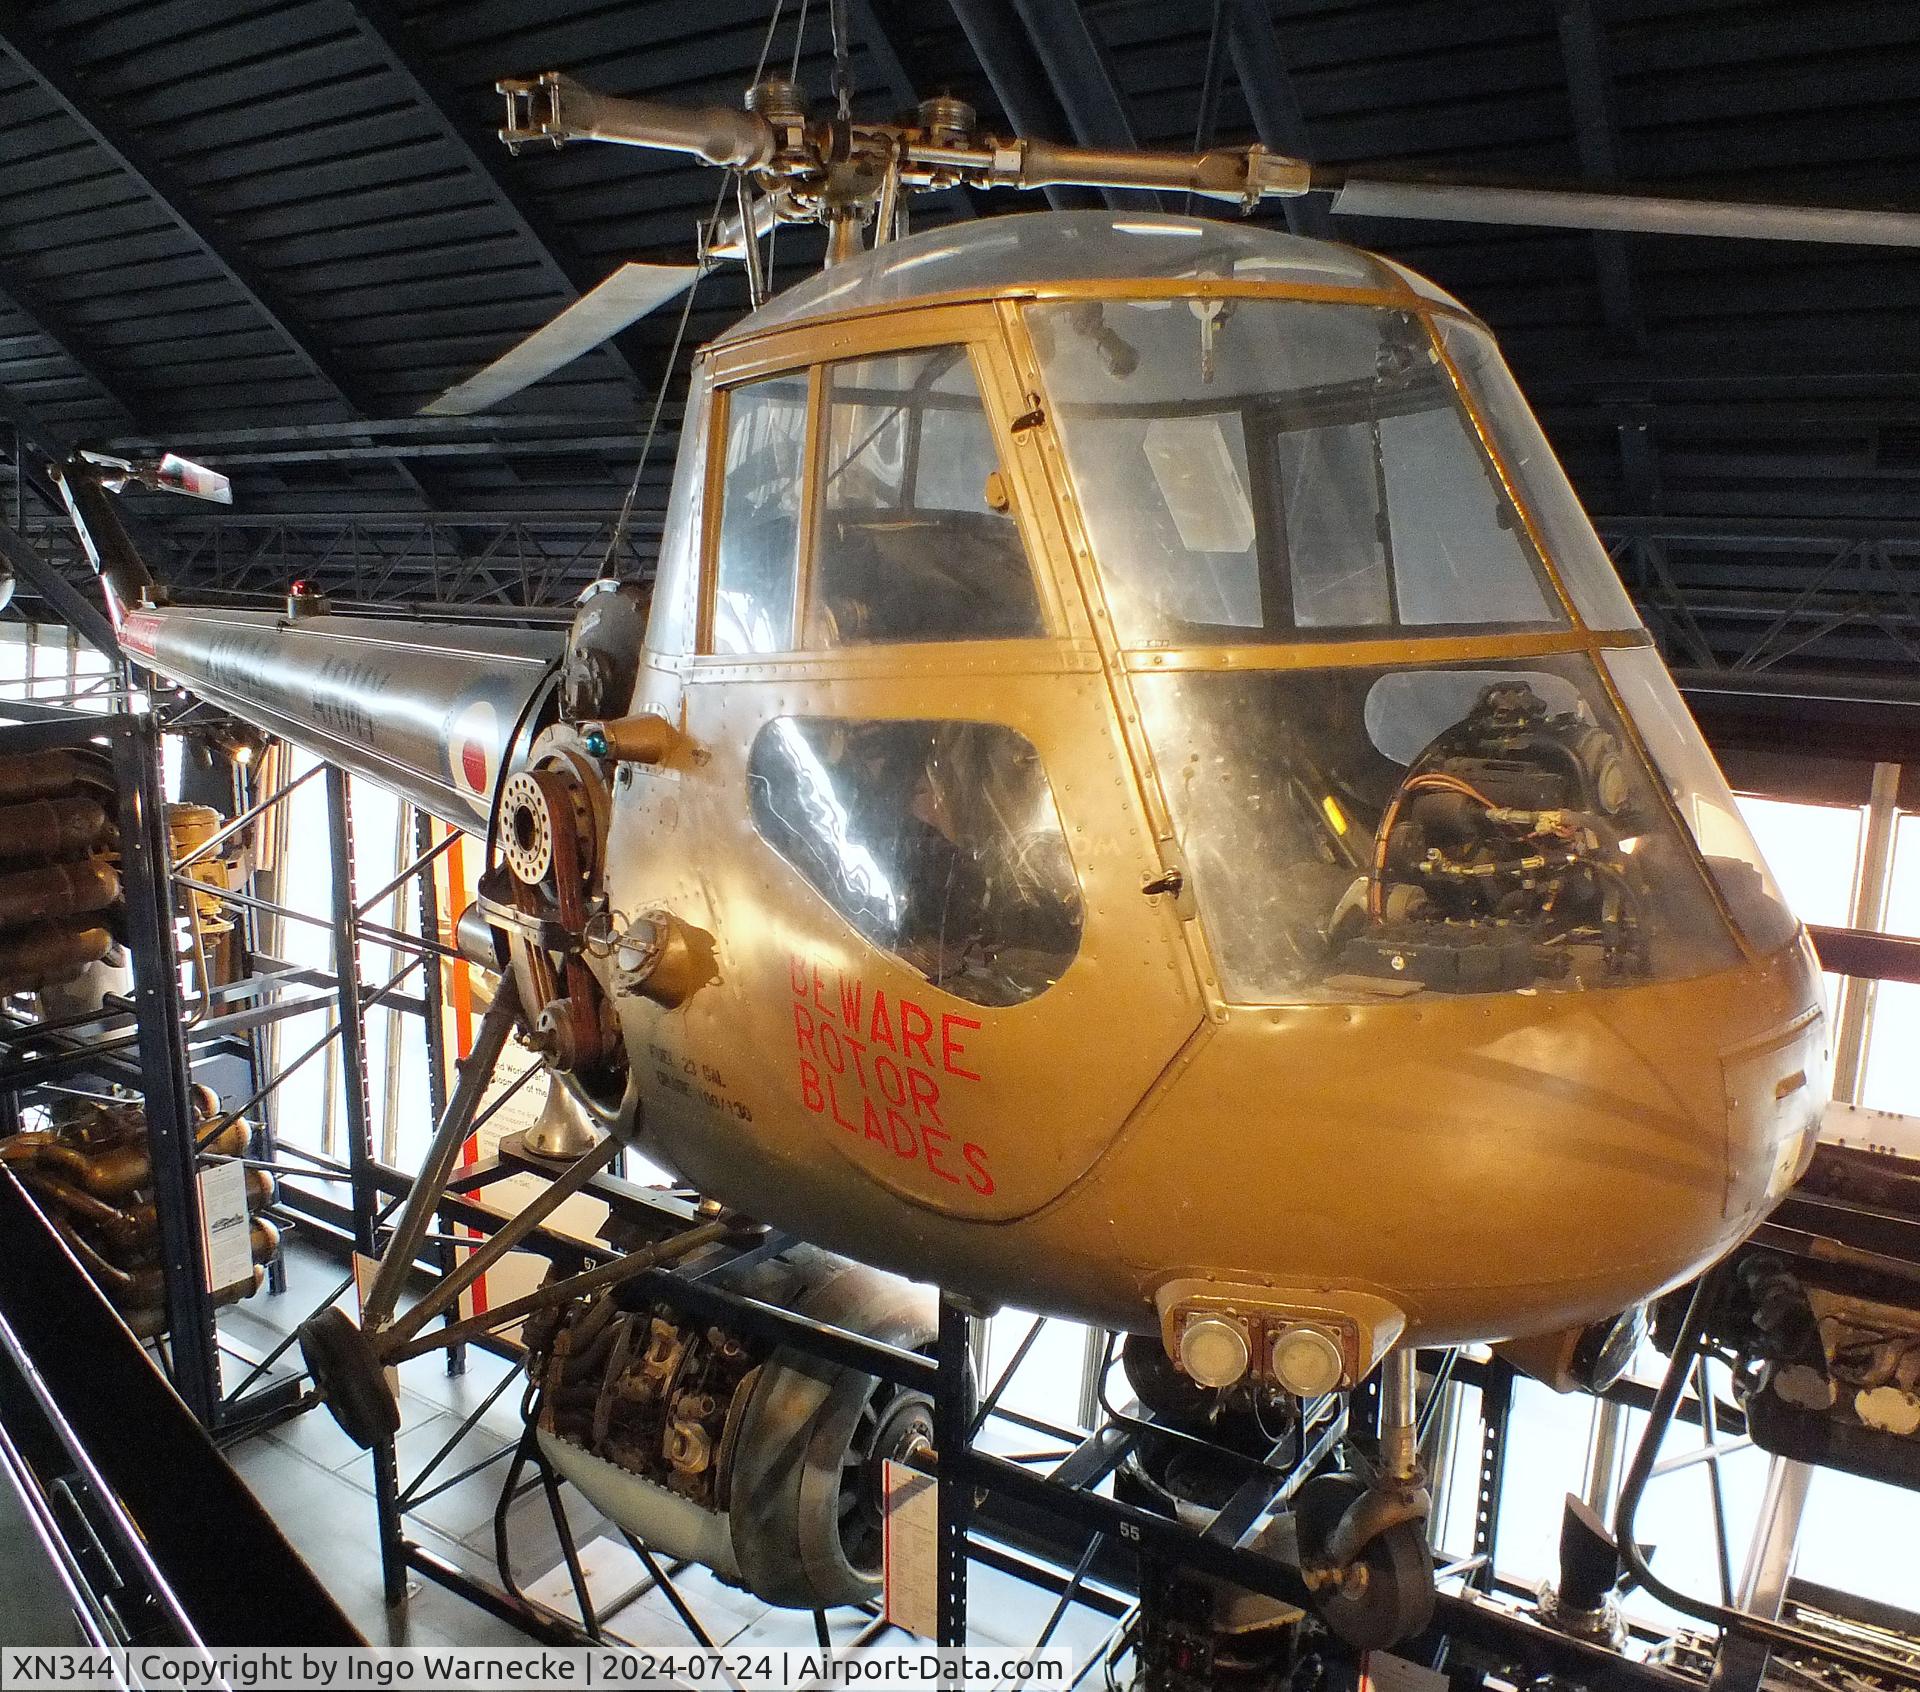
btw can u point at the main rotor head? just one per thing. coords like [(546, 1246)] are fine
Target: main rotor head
[(841, 172)]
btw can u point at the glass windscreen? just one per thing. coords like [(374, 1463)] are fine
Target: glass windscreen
[(1700, 793), (938, 841), (1253, 470), (757, 556), (1587, 573), (1376, 832)]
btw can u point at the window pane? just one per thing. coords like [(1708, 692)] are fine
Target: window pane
[(1252, 469), (1048, 1382), (1903, 887), (1700, 792), (1459, 554), (1334, 534), (760, 516), (914, 545), (1814, 853), (1858, 1536), (1588, 574), (1361, 832), (1891, 1077), (938, 841)]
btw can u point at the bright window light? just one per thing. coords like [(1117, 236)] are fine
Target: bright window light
[(1813, 851), (1891, 1078)]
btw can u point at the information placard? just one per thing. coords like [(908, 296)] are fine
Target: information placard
[(910, 1538)]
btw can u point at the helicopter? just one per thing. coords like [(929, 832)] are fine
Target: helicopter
[(1134, 792)]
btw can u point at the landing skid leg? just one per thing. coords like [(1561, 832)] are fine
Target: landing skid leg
[(350, 1363), (1364, 1547), (343, 1357)]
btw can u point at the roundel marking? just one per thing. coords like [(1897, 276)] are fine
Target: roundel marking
[(473, 751)]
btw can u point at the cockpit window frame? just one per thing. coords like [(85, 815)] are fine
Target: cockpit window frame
[(1573, 635), (810, 350), (1054, 532)]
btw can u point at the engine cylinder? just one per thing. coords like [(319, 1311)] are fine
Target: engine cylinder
[(760, 1462)]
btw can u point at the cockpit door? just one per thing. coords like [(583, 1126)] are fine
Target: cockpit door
[(921, 841)]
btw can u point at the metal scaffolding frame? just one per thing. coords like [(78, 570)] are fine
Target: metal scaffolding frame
[(149, 1043), (1048, 1516), (1043, 1516), (125, 1496)]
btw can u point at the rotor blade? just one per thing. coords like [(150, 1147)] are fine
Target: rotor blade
[(627, 295), (1649, 214), (196, 481), (169, 473)]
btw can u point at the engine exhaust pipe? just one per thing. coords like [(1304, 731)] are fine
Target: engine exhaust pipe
[(43, 775), (57, 890), (52, 828)]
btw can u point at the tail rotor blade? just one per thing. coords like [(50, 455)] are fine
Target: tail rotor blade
[(1650, 214), (626, 296)]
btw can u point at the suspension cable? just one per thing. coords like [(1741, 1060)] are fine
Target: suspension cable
[(842, 51), (624, 521)]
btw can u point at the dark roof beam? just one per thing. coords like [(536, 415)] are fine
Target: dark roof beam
[(1075, 61), (883, 49), (1273, 105), (871, 31), (508, 426), (1596, 139), (72, 605), (31, 304), (1006, 56), (55, 76), (68, 599), (381, 26), (31, 434)]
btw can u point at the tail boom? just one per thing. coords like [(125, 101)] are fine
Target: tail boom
[(434, 711)]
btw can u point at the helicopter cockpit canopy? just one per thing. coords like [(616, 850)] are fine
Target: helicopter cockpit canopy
[(1039, 249), (1410, 733)]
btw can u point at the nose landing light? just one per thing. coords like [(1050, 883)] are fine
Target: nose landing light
[(1213, 1350), (1307, 1361), (1304, 1340)]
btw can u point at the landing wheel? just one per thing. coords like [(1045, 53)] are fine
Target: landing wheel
[(350, 1378), (1385, 1594), (888, 1428)]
